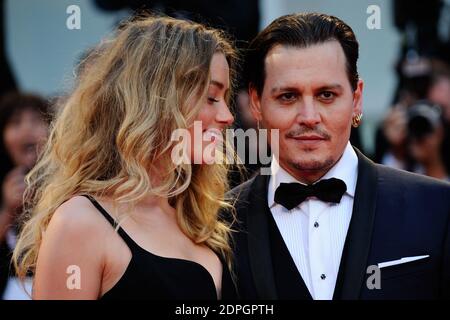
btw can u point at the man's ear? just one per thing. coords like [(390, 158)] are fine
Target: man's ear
[(255, 103), (358, 98)]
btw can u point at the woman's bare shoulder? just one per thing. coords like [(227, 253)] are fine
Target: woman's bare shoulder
[(76, 236), (79, 218)]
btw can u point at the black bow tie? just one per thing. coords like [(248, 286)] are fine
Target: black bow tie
[(290, 195)]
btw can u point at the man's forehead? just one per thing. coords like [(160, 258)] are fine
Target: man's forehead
[(320, 61), (330, 50)]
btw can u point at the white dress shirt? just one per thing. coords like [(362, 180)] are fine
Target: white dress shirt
[(315, 231)]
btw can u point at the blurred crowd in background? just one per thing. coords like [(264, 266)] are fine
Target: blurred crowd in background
[(414, 134)]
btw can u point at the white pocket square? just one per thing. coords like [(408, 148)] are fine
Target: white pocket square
[(401, 261)]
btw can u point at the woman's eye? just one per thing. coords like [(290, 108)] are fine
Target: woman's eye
[(212, 100)]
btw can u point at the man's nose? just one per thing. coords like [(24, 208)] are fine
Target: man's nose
[(308, 114)]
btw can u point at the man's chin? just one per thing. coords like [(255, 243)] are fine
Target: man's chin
[(312, 164)]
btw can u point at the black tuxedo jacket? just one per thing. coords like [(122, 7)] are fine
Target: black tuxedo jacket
[(396, 214)]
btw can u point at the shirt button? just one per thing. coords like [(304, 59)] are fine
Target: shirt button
[(316, 224), (323, 277)]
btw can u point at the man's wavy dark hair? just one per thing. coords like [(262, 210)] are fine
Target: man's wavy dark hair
[(301, 30)]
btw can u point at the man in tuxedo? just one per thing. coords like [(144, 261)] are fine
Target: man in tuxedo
[(328, 223)]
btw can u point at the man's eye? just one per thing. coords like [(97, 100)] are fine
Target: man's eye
[(327, 95), (288, 96)]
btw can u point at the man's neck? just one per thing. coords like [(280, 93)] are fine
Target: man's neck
[(307, 176)]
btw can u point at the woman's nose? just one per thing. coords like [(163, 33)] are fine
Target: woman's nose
[(224, 116)]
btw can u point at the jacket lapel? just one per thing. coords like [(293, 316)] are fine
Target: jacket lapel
[(258, 239), (353, 265)]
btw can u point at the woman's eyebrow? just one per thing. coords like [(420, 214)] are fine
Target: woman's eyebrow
[(218, 84)]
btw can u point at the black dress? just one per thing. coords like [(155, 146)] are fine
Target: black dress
[(152, 277)]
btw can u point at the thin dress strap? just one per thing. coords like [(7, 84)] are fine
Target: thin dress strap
[(130, 242)]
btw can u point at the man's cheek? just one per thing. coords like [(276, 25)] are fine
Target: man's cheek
[(278, 120)]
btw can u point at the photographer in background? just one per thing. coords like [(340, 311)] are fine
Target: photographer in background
[(439, 93), (425, 136), (23, 128)]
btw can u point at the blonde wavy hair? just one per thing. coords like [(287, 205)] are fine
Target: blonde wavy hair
[(133, 91)]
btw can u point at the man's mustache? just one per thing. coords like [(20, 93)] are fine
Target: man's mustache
[(308, 131)]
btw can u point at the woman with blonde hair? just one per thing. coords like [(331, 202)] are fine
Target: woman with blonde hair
[(108, 161)]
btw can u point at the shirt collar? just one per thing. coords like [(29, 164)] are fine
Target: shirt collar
[(345, 169)]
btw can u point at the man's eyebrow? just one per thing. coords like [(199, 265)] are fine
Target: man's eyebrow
[(333, 86), (286, 88)]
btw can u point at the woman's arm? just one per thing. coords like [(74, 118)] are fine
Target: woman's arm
[(70, 261)]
